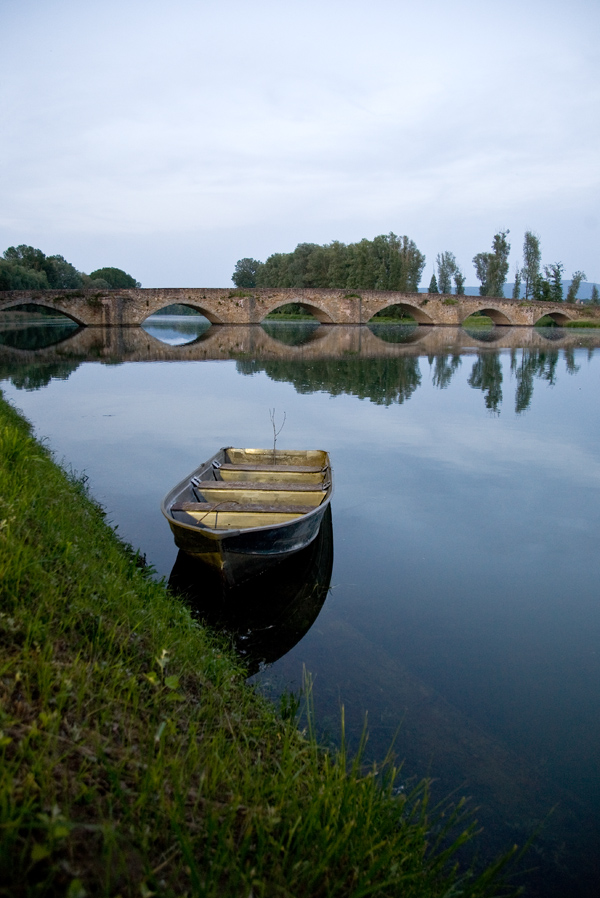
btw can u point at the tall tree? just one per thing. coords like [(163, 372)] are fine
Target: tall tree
[(498, 269), (576, 279), (595, 298), (446, 266), (541, 290), (17, 277), (244, 273), (532, 258), (413, 263), (459, 281), (482, 267), (516, 294), (26, 257), (433, 285), (61, 274), (492, 268), (554, 274), (115, 277)]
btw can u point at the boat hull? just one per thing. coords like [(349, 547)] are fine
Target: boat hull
[(291, 593), (241, 553)]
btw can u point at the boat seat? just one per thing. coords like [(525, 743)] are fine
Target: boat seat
[(203, 486), (238, 507), (274, 468)]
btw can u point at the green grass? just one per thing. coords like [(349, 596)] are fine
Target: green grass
[(135, 760), (392, 319), (291, 311), (592, 323), (290, 316), (477, 321)]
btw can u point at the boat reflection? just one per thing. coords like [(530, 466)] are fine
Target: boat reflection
[(267, 615)]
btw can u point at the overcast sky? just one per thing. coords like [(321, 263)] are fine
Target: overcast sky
[(173, 139)]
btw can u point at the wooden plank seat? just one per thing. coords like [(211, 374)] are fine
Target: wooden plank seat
[(237, 506), (204, 486), (275, 468)]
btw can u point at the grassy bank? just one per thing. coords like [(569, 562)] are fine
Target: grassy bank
[(594, 322), (134, 759)]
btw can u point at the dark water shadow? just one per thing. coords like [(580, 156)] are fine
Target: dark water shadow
[(552, 333), (293, 333), (39, 335), (398, 333), (490, 334), (267, 615)]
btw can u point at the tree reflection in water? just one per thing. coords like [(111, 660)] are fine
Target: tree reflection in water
[(487, 376), (444, 366), (383, 380)]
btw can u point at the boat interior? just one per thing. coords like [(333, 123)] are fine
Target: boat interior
[(243, 488)]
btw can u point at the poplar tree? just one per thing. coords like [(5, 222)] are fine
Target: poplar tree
[(459, 281), (433, 285), (576, 279), (446, 266), (492, 268), (554, 274), (482, 266), (517, 287), (532, 257), (498, 269)]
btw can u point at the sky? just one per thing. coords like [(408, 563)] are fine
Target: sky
[(171, 140)]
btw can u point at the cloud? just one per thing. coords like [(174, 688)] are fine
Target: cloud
[(138, 121)]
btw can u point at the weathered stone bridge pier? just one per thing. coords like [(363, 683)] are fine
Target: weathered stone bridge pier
[(123, 308)]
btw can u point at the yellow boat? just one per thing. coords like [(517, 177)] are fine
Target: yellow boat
[(245, 507)]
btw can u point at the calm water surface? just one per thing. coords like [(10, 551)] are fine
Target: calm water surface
[(463, 611)]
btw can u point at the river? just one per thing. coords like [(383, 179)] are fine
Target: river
[(462, 614)]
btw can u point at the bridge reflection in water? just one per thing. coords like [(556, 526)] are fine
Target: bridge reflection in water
[(219, 342), (269, 613)]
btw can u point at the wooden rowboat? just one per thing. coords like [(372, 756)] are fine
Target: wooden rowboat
[(245, 507)]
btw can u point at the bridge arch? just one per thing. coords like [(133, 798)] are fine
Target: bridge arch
[(499, 318), (321, 314), (559, 317), (19, 305), (407, 308), (153, 308)]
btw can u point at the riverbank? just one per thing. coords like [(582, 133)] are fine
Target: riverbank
[(134, 759)]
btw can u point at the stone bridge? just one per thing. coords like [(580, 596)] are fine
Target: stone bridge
[(117, 308)]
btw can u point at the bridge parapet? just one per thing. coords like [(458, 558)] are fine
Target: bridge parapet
[(131, 307)]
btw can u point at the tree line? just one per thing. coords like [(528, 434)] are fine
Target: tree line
[(27, 268), (395, 263), (387, 262)]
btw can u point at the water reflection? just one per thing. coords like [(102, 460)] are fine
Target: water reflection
[(444, 368), (487, 377), (292, 333), (379, 362), (176, 330), (267, 615), (486, 334), (398, 333), (31, 335), (383, 381)]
